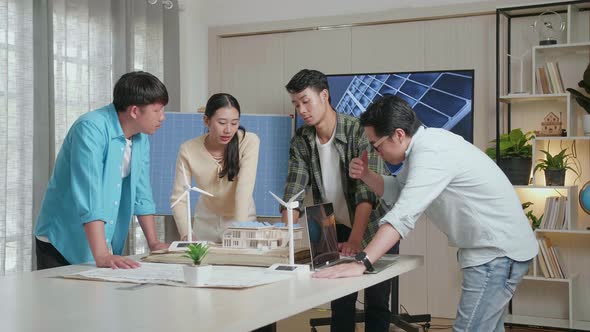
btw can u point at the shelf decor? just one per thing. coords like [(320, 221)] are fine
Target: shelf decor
[(556, 293), (549, 25)]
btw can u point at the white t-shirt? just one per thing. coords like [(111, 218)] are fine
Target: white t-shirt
[(126, 166), (332, 179)]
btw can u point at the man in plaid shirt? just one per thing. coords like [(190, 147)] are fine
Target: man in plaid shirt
[(319, 156)]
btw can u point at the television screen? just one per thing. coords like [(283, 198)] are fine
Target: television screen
[(442, 99)]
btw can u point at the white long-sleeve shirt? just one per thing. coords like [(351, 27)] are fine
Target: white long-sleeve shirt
[(465, 195)]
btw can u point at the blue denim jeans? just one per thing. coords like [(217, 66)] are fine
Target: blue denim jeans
[(485, 293)]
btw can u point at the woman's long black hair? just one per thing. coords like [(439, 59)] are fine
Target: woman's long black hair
[(231, 164)]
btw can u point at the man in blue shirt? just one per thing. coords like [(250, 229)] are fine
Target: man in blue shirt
[(98, 184)]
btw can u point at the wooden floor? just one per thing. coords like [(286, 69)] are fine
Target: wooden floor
[(300, 323)]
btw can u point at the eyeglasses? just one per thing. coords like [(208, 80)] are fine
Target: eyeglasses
[(379, 142)]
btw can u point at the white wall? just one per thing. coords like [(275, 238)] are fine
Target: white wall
[(193, 55), (239, 16)]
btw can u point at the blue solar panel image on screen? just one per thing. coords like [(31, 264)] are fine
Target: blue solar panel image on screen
[(442, 99)]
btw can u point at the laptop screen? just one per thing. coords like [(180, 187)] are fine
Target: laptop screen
[(323, 240)]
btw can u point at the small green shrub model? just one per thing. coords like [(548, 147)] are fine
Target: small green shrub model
[(197, 252), (535, 222)]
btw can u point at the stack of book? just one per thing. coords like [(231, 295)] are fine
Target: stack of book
[(556, 208), (549, 261), (548, 79)]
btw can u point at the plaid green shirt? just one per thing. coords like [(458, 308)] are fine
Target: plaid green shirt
[(305, 170)]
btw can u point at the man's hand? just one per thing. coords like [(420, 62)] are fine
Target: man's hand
[(158, 246), (350, 248), (341, 271), (116, 262), (359, 167)]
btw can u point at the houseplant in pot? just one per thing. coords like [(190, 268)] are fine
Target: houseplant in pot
[(535, 222), (583, 100), (515, 155), (555, 166), (197, 274)]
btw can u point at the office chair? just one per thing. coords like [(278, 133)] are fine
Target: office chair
[(404, 321)]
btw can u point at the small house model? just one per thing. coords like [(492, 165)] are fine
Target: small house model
[(257, 235), (551, 125)]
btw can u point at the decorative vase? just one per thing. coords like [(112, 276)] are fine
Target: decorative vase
[(554, 177), (517, 170), (586, 124), (197, 275)]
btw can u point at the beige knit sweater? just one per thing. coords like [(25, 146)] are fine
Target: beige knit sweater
[(232, 199)]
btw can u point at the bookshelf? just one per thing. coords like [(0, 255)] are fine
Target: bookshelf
[(562, 302)]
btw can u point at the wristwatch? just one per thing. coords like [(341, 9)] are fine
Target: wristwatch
[(362, 258)]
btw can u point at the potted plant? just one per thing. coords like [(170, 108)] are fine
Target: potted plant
[(515, 155), (197, 274), (555, 166), (535, 222), (583, 100)]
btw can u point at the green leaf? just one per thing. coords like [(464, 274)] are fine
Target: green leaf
[(561, 160), (197, 252), (516, 136)]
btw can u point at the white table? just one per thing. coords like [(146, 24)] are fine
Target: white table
[(40, 301)]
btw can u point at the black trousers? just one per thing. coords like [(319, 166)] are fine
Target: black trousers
[(377, 312), (47, 256)]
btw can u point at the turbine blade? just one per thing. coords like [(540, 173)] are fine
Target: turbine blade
[(278, 199), (201, 191), (178, 199), (295, 197)]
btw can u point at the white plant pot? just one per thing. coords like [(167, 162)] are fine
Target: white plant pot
[(586, 124), (197, 275)]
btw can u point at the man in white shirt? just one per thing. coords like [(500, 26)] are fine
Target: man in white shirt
[(465, 195), (319, 155)]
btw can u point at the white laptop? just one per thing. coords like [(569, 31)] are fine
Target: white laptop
[(323, 240)]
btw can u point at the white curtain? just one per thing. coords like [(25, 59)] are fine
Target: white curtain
[(93, 43), (82, 60), (148, 55), (16, 135)]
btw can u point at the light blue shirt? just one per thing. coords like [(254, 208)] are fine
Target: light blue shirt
[(86, 185), (464, 194)]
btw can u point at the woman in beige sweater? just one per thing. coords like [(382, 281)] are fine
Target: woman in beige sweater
[(222, 162)]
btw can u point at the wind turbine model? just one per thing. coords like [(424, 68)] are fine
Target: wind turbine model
[(521, 70), (291, 267), (181, 245)]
